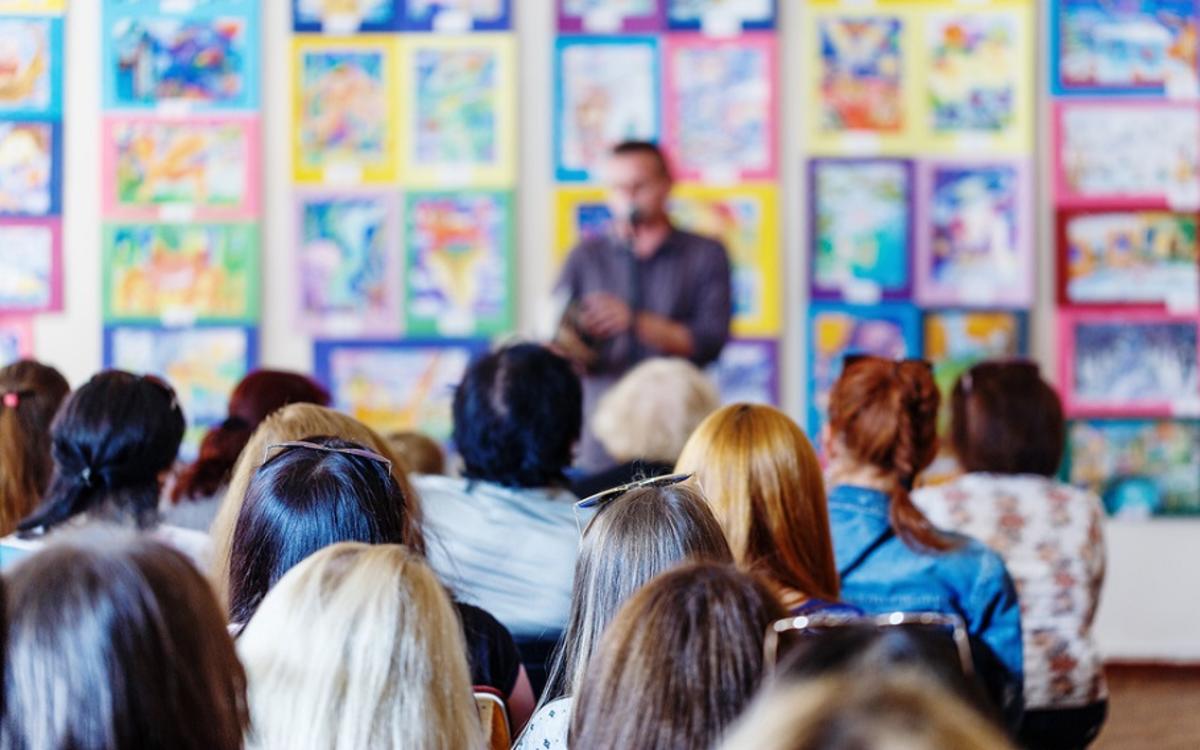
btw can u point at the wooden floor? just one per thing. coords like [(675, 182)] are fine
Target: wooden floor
[(1152, 708)]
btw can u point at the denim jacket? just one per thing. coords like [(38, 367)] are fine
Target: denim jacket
[(881, 574)]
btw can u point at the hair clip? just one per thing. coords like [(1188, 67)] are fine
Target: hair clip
[(86, 476), (12, 399)]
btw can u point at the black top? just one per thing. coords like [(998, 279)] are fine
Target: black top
[(618, 475), (491, 652)]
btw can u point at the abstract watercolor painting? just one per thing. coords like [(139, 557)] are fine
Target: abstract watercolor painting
[(748, 372), (31, 68), (31, 259), (30, 168), (1139, 468)]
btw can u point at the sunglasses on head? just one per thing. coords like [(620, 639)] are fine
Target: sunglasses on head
[(600, 500)]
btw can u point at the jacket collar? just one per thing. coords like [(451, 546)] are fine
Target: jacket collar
[(862, 499)]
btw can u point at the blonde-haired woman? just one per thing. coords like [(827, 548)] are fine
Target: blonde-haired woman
[(644, 420), (358, 646), (761, 477)]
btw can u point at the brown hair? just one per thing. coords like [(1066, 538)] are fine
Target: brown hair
[(420, 453), (678, 664), (1005, 419), (762, 478), (30, 394), (116, 641), (884, 414)]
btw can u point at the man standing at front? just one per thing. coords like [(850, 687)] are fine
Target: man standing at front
[(644, 289)]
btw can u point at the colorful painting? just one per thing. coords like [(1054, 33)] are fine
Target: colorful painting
[(202, 364), (1140, 469), (31, 256), (1135, 363), (721, 16), (181, 273), (31, 67), (204, 59), (16, 338), (721, 106), (607, 92), (890, 330), (460, 267), (1138, 155), (582, 213), (748, 372), (349, 263), (346, 16), (346, 102), (1129, 257), (974, 249), (461, 118), (746, 220), (609, 16), (30, 168), (1107, 47), (956, 340), (861, 229), (397, 386), (458, 15), (181, 169), (979, 86)]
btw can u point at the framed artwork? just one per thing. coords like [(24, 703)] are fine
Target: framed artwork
[(31, 256), (1135, 363), (1139, 47), (748, 372), (957, 340), (862, 96), (861, 229), (720, 17), (31, 67), (979, 80), (456, 16), (397, 386), (181, 273), (580, 212), (1139, 468), (1129, 257), (460, 263), (890, 330), (203, 364), (181, 169), (607, 91), (198, 57), (460, 123), (16, 338), (1143, 154), (346, 17), (349, 263), (974, 248), (30, 168), (746, 220), (609, 16), (346, 102), (721, 112)]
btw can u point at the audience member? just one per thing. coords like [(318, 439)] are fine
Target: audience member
[(504, 536), (419, 453), (882, 433), (678, 664), (30, 394), (762, 479), (358, 647), (196, 494), (116, 642), (634, 536), (643, 421), (1007, 431), (113, 441)]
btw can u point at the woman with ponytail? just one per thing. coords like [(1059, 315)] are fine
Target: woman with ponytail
[(30, 394), (197, 492), (882, 433)]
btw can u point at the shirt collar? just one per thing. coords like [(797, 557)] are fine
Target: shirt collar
[(863, 499)]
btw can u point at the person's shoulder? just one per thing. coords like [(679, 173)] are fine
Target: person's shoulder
[(700, 243), (548, 727)]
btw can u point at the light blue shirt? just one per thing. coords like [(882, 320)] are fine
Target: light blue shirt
[(508, 550)]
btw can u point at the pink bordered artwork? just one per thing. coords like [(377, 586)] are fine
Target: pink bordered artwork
[(181, 169), (1129, 363)]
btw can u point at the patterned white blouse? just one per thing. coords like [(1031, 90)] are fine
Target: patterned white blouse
[(548, 728), (1051, 537)]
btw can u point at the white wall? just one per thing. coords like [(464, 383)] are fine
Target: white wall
[(1151, 606)]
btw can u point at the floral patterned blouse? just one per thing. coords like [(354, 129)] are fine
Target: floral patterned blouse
[(1051, 538)]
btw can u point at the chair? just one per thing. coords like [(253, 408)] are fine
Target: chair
[(493, 715)]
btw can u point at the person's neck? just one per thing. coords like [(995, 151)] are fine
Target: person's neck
[(859, 476), (649, 237)]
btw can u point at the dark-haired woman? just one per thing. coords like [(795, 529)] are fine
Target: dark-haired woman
[(30, 394), (199, 488), (1007, 431), (113, 443), (882, 434)]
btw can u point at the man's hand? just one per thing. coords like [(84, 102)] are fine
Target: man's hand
[(605, 315)]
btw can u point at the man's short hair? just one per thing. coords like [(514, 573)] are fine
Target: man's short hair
[(644, 148)]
